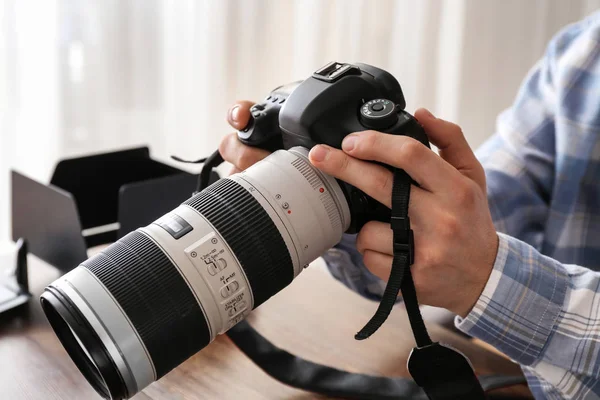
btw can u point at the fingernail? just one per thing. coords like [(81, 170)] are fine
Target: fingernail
[(234, 113), (349, 142), (428, 113), (319, 153)]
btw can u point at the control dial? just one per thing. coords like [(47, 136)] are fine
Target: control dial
[(378, 114)]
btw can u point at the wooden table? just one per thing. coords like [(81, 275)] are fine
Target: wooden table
[(315, 317)]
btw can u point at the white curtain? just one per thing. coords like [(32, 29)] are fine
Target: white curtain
[(84, 76)]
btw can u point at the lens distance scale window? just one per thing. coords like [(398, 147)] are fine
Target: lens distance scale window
[(212, 260)]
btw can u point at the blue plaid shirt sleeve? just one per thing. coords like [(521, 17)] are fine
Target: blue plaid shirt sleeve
[(541, 304), (541, 312), (346, 265)]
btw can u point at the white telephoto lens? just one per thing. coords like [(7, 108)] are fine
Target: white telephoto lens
[(154, 298)]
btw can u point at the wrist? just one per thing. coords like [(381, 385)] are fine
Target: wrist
[(479, 277)]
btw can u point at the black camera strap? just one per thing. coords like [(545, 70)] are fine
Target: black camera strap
[(307, 375), (442, 372), (400, 275)]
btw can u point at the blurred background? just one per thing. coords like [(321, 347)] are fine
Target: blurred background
[(85, 76)]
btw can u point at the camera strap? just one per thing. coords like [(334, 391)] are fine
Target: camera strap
[(400, 275), (299, 373), (441, 371)]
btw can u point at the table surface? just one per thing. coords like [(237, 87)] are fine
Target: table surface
[(315, 317)]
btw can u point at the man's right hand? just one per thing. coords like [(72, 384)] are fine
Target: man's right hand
[(234, 151)]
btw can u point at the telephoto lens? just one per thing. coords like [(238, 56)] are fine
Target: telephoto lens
[(138, 309)]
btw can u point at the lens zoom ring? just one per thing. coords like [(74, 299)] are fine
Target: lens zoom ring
[(251, 234), (155, 298)]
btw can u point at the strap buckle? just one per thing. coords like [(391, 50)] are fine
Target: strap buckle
[(403, 237)]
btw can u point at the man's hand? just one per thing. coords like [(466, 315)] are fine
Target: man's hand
[(234, 151), (455, 239)]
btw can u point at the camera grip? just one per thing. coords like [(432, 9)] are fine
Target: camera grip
[(263, 133), (263, 129), (408, 125)]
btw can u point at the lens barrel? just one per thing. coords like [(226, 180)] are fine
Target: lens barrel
[(142, 306)]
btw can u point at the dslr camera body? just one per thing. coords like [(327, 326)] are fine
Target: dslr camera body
[(142, 306), (336, 100)]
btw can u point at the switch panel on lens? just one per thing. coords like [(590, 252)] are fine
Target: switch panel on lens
[(214, 262)]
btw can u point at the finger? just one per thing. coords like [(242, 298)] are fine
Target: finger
[(239, 114), (452, 144), (375, 236), (238, 154), (378, 236), (378, 263), (422, 164), (234, 170), (373, 179)]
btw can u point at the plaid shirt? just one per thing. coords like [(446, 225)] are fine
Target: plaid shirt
[(541, 304)]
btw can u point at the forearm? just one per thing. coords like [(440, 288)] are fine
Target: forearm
[(541, 313)]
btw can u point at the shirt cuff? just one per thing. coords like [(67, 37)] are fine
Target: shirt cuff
[(346, 265), (518, 309)]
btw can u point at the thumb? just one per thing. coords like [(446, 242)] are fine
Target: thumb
[(238, 115), (452, 145)]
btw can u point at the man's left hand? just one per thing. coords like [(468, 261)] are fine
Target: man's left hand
[(455, 239)]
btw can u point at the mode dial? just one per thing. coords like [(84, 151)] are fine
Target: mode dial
[(378, 114)]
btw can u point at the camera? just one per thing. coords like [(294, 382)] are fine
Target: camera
[(142, 306)]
